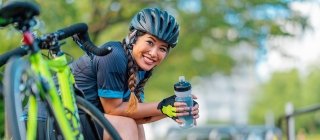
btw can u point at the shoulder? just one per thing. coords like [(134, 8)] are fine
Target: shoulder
[(117, 50), (116, 59), (113, 44)]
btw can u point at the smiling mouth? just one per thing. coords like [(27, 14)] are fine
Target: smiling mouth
[(148, 60)]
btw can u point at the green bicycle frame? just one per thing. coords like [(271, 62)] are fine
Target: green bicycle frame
[(59, 64), (41, 69), (32, 118)]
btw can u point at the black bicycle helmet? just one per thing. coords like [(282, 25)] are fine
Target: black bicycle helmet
[(158, 23)]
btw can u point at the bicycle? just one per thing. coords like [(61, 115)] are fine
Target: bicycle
[(29, 80)]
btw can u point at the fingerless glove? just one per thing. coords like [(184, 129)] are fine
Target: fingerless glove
[(166, 106)]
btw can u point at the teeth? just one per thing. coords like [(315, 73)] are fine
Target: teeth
[(148, 60)]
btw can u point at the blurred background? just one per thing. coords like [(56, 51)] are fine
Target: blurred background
[(248, 61)]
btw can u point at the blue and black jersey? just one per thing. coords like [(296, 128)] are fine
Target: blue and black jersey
[(104, 76)]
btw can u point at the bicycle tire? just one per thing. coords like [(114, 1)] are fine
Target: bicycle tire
[(15, 129), (93, 115), (97, 116), (18, 73)]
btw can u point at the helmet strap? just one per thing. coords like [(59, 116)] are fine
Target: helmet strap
[(130, 39)]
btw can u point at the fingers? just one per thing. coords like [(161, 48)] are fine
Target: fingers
[(182, 107), (194, 96), (196, 106), (196, 116), (180, 104), (179, 121), (195, 112), (182, 114), (183, 111)]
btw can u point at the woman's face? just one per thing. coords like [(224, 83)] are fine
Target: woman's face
[(149, 52)]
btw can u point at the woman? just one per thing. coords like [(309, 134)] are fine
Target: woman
[(114, 83)]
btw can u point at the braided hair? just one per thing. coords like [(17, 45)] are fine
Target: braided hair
[(132, 69)]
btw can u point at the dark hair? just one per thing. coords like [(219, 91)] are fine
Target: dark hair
[(134, 87)]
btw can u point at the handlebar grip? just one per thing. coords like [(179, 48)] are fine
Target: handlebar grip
[(71, 30), (90, 47), (20, 51)]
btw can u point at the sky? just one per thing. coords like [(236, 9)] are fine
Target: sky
[(303, 50)]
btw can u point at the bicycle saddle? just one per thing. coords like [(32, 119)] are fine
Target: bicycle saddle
[(17, 11)]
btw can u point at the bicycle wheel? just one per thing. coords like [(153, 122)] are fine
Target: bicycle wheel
[(96, 118), (15, 90), (93, 121)]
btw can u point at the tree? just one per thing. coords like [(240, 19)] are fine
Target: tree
[(289, 86), (209, 29)]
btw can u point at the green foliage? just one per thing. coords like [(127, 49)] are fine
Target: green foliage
[(283, 86), (206, 37), (288, 86)]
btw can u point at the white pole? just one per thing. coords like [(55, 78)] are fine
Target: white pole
[(290, 121)]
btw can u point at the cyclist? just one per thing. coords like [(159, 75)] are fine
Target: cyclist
[(114, 83)]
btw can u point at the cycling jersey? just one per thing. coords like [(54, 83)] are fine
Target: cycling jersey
[(104, 76)]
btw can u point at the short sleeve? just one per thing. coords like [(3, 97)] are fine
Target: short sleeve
[(111, 72)]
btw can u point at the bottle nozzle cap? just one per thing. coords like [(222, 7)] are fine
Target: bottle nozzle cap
[(182, 85), (181, 78)]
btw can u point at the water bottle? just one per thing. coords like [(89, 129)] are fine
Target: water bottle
[(182, 90)]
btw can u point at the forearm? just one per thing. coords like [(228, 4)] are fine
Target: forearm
[(144, 110), (149, 119)]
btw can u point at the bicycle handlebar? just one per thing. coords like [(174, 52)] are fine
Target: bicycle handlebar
[(79, 31), (84, 41), (90, 47), (78, 28)]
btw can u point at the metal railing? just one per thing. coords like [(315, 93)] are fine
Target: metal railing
[(289, 118)]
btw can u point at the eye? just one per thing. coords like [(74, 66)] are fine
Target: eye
[(164, 49), (150, 43)]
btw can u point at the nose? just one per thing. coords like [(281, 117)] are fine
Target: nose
[(153, 52)]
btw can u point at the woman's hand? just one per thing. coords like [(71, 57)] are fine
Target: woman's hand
[(195, 110), (167, 107), (183, 110), (173, 109)]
